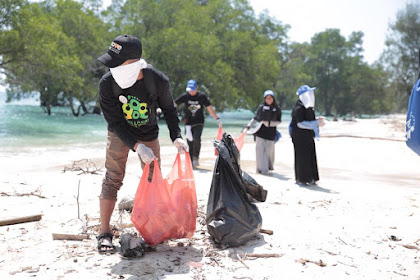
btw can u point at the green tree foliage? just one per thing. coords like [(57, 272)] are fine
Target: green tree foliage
[(293, 73), (401, 55), (42, 62), (51, 47), (344, 82), (8, 38), (87, 32), (54, 43), (328, 54), (219, 43)]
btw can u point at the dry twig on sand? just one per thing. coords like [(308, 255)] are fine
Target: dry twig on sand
[(304, 261), (410, 247), (256, 255), (240, 259), (351, 265), (83, 165), (331, 253), (37, 193)]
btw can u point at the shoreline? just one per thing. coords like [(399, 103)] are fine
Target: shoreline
[(361, 220)]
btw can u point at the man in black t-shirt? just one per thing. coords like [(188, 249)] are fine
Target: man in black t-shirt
[(128, 96), (194, 101)]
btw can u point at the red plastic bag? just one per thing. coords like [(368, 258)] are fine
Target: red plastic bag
[(153, 213), (239, 142), (181, 187), (218, 137)]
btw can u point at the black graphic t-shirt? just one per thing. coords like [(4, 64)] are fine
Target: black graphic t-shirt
[(136, 109), (193, 107), (129, 115)]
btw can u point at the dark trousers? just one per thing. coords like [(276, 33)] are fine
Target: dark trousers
[(195, 144)]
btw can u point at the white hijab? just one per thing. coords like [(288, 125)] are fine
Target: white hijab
[(308, 99)]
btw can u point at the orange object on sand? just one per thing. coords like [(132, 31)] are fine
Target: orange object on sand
[(166, 208)]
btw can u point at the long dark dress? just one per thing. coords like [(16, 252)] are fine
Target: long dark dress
[(306, 168)]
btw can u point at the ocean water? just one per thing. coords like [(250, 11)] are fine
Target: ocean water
[(24, 124)]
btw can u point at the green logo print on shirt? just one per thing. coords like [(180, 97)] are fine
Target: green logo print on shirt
[(135, 112)]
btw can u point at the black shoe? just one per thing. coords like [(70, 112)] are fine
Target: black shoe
[(300, 183)]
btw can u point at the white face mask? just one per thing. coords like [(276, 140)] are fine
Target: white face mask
[(126, 75), (308, 99)]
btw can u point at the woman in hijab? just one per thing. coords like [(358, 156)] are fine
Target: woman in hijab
[(269, 116), (304, 128)]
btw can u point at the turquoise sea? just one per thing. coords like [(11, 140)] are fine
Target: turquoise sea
[(25, 124)]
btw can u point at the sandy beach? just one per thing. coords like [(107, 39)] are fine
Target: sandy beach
[(361, 221)]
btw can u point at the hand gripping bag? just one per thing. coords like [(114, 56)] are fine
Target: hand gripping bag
[(218, 138), (181, 188), (232, 219), (153, 213), (412, 126)]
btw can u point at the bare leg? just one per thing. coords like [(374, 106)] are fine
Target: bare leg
[(106, 207)]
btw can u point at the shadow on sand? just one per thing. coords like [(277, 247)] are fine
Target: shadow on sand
[(317, 188), (278, 176), (163, 260)]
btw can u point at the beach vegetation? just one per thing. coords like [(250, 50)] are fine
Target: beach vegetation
[(51, 46)]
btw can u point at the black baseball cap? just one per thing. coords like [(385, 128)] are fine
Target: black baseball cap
[(123, 47)]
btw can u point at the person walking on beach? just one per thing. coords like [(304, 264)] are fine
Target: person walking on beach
[(269, 116), (304, 128), (129, 95), (194, 101)]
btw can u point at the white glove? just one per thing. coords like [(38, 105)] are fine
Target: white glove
[(146, 154), (219, 122), (180, 145), (188, 133)]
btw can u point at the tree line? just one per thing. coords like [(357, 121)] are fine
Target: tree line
[(50, 47)]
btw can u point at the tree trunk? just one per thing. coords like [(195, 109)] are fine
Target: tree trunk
[(96, 110)]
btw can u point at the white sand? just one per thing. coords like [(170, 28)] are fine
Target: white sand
[(369, 191)]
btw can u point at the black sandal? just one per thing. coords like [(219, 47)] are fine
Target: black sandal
[(105, 248)]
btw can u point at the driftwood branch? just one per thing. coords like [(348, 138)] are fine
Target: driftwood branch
[(20, 220), (267, 231), (240, 259), (34, 193), (77, 200), (304, 261), (84, 166), (78, 237), (351, 265), (410, 247), (256, 255)]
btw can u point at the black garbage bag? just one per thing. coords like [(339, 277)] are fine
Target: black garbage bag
[(255, 191), (232, 219)]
